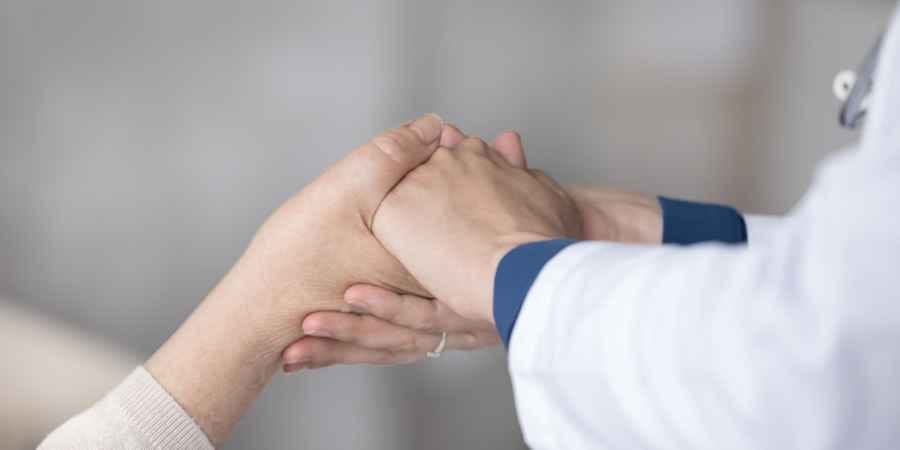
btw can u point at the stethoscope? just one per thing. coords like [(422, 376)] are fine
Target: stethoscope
[(855, 88)]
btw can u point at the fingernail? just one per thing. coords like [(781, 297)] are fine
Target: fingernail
[(428, 127), (290, 368)]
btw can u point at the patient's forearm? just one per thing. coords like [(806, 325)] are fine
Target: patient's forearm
[(195, 388), (303, 258), (224, 355)]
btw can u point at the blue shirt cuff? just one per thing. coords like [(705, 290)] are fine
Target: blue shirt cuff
[(686, 223), (515, 274)]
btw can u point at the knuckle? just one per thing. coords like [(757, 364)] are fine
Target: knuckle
[(475, 144), (441, 154), (390, 143), (404, 134)]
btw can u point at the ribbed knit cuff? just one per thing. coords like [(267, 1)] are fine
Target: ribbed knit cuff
[(156, 415)]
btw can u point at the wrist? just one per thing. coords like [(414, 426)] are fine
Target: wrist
[(618, 216), (214, 366), (267, 312), (639, 221), (222, 357)]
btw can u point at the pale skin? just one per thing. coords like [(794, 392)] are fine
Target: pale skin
[(303, 259), (453, 218), (386, 325), (317, 253)]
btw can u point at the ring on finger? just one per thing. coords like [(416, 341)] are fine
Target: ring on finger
[(436, 353)]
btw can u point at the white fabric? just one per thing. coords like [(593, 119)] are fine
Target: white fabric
[(137, 415), (761, 229), (790, 343)]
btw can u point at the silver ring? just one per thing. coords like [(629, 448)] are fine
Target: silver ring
[(436, 353)]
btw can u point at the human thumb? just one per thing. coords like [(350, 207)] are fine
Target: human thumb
[(372, 170)]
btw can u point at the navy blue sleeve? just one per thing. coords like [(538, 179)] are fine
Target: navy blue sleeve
[(687, 223), (515, 274)]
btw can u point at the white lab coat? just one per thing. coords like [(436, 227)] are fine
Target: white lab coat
[(790, 343)]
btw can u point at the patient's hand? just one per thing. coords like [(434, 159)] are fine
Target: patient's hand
[(302, 259)]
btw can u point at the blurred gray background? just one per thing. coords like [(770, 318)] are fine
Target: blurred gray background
[(141, 143)]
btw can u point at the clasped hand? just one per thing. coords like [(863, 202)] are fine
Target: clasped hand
[(371, 262), (449, 222)]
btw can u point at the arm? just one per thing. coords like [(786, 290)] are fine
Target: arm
[(303, 258), (791, 344), (386, 326), (788, 344)]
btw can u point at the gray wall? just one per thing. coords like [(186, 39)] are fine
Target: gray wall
[(143, 142)]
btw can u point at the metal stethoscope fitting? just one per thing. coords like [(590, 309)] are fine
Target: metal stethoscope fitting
[(854, 89)]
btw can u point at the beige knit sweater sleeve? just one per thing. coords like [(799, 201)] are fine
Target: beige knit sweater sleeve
[(137, 414)]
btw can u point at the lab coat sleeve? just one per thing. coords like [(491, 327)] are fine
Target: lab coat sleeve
[(791, 343)]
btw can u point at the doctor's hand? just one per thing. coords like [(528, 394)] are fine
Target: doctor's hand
[(607, 214), (452, 219)]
